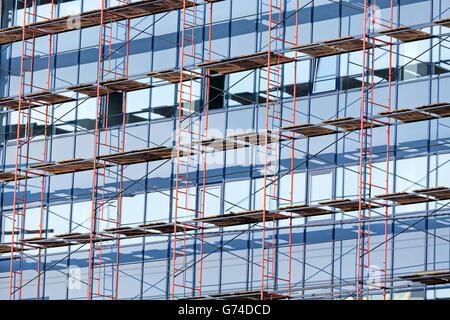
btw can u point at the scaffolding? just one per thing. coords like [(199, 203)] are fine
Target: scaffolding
[(193, 144), (367, 269), (275, 119), (110, 68), (191, 151), (28, 100)]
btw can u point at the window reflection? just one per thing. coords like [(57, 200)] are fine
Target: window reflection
[(58, 220), (6, 228), (115, 109), (163, 100), (241, 88), (87, 113), (216, 91), (64, 118), (324, 74), (81, 218), (298, 81), (191, 97), (236, 196), (133, 210), (137, 106), (212, 200), (298, 188), (320, 187), (158, 204)]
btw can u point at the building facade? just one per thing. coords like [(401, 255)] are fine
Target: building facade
[(320, 252)]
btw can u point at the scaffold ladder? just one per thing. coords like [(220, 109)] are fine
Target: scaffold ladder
[(103, 176), (271, 277), (371, 274), (23, 157), (191, 157)]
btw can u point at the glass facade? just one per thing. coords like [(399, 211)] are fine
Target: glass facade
[(324, 249)]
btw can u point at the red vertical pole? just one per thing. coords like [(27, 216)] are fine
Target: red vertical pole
[(206, 119), (188, 154), (177, 183), (94, 182), (21, 182), (99, 193), (44, 157), (272, 148), (294, 110), (364, 263)]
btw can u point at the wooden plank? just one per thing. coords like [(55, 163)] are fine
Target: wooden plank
[(316, 50), (240, 218), (171, 75), (147, 7), (142, 155), (67, 23), (14, 104), (10, 176), (90, 90), (259, 216), (38, 166), (92, 18), (125, 85), (75, 236), (69, 160), (406, 34), (228, 219), (70, 166), (49, 98), (443, 22), (93, 241), (67, 235), (245, 62), (403, 198), (305, 210), (439, 193), (79, 238), (432, 273), (153, 73), (43, 242), (442, 109), (347, 205), (130, 232), (223, 65), (254, 138), (348, 123), (407, 115), (434, 281), (309, 130), (348, 44), (164, 227), (220, 144), (246, 295), (7, 249), (11, 34), (429, 277), (53, 244)]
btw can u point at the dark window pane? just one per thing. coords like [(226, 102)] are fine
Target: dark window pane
[(216, 89)]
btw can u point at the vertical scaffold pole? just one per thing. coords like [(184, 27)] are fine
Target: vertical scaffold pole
[(371, 275), (273, 142), (191, 152), (109, 69), (23, 171)]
